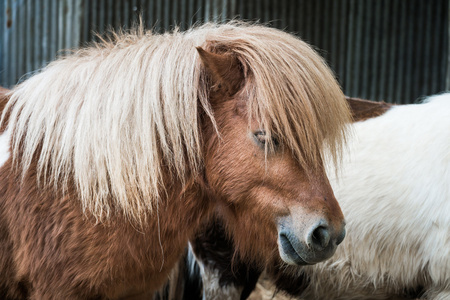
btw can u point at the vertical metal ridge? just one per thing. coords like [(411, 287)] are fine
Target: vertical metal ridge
[(349, 67), (356, 76), (447, 47), (366, 47), (383, 58), (392, 58), (3, 37)]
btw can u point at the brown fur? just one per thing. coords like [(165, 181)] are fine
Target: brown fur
[(64, 255)]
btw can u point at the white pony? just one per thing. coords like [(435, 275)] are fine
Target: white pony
[(394, 190)]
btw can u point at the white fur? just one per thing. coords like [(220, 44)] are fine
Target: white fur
[(394, 191), (212, 289), (4, 147), (215, 291)]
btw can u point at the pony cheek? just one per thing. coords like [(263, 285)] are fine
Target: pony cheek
[(233, 178)]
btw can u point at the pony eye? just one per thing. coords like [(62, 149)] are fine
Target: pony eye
[(262, 138)]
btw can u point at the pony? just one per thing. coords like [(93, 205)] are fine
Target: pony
[(394, 191), (113, 154)]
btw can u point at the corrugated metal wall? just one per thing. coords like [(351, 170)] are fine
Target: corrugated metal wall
[(32, 33), (392, 50)]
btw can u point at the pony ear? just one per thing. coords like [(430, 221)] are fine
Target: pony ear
[(224, 70)]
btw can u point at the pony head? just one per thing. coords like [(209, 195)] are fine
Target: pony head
[(278, 112)]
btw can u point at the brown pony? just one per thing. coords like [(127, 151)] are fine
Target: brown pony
[(111, 156)]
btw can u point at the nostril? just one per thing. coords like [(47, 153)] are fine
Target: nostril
[(320, 238), (341, 237)]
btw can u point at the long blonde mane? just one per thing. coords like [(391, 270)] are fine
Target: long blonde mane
[(113, 118)]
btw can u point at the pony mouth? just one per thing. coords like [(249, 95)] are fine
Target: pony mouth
[(288, 252)]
